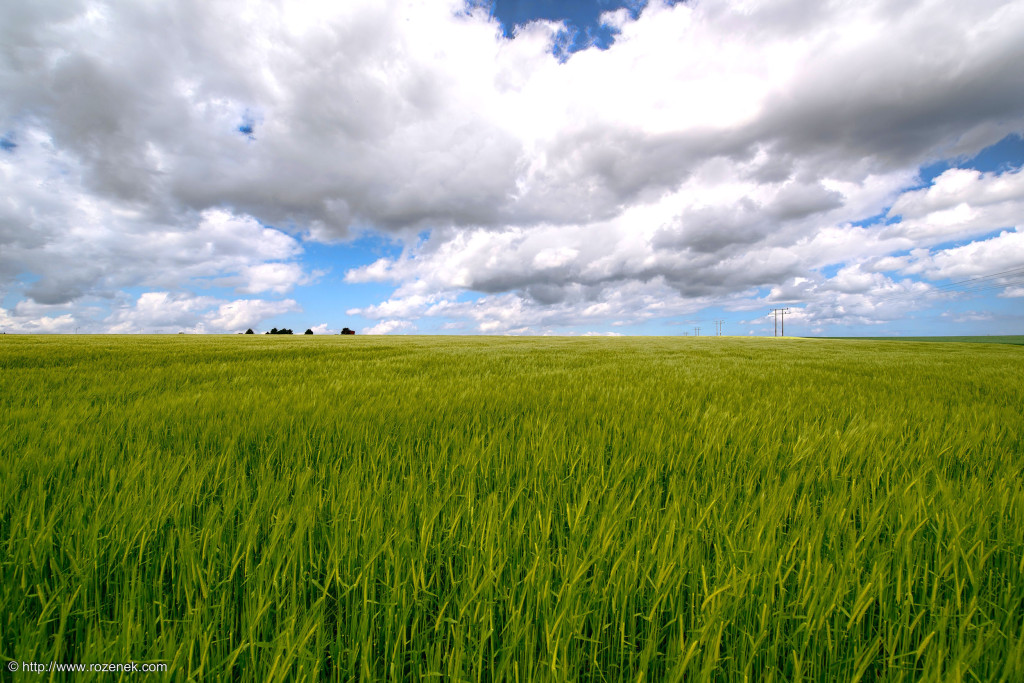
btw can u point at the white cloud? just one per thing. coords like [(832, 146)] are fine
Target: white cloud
[(960, 203), (279, 278), (957, 187), (396, 308), (36, 322), (716, 151), (78, 243), (1003, 253), (992, 265), (391, 327), (245, 313), (167, 312), (554, 257), (968, 316), (157, 310)]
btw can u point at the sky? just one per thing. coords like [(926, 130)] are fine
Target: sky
[(512, 167)]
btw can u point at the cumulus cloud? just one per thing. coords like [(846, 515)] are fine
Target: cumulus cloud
[(717, 153), (692, 249), (78, 243), (156, 310), (279, 278), (166, 312), (244, 313), (391, 327), (986, 258), (31, 318)]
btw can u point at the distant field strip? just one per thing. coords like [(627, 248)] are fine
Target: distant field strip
[(988, 339), (467, 508)]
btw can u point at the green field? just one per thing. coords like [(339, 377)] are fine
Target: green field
[(977, 339), (467, 508)]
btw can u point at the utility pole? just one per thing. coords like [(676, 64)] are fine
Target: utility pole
[(777, 311), (718, 327), (696, 331)]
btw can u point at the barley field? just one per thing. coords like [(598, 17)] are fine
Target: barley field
[(257, 508)]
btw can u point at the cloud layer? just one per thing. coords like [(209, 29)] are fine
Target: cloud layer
[(719, 154)]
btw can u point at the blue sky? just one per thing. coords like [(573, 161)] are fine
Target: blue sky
[(582, 20), (513, 167)]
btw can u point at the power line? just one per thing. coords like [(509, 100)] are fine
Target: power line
[(978, 283), (1015, 269), (973, 283)]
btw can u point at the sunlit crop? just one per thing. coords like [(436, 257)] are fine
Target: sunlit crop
[(300, 508)]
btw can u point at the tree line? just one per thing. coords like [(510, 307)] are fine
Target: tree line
[(285, 330)]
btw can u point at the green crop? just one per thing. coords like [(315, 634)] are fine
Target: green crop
[(299, 508)]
